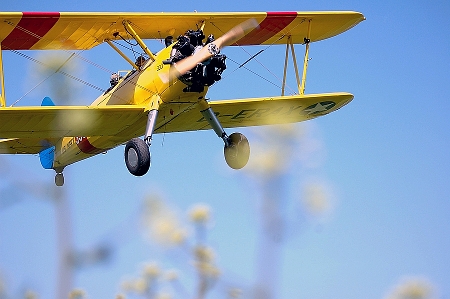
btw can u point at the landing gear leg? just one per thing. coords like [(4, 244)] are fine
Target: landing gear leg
[(151, 121), (137, 151), (236, 148)]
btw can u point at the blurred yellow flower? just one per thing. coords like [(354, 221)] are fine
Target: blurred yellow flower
[(277, 147), (316, 198), (151, 270), (179, 236), (30, 295), (171, 275), (140, 286), (200, 213), (413, 288), (204, 258), (267, 161), (207, 270), (204, 253), (161, 223), (127, 285), (77, 294), (60, 70), (164, 296), (234, 293)]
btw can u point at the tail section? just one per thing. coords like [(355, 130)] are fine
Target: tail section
[(47, 156), (47, 102)]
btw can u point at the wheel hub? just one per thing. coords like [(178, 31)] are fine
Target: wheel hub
[(132, 157)]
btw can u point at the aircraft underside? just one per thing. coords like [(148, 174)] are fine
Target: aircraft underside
[(137, 151)]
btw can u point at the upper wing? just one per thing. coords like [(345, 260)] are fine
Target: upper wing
[(49, 122), (82, 30), (255, 112)]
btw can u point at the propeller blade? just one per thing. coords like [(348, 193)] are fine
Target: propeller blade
[(236, 33), (183, 66)]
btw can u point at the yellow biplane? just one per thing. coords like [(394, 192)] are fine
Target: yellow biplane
[(164, 91)]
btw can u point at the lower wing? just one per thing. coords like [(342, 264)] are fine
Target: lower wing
[(46, 122), (29, 130), (257, 111)]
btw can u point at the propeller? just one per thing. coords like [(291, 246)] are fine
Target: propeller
[(183, 66)]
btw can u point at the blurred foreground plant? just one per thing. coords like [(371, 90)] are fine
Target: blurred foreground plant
[(413, 288), (165, 226), (282, 166)]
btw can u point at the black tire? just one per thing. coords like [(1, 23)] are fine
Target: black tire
[(137, 157), (238, 151)]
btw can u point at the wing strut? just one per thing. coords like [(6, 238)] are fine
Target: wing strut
[(289, 44), (306, 59), (141, 43), (2, 81), (133, 33), (122, 54)]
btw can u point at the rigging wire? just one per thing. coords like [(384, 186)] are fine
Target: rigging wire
[(76, 78), (57, 70), (259, 52), (251, 71), (269, 46), (45, 79), (128, 48), (94, 64), (128, 42), (78, 55), (240, 65), (69, 75)]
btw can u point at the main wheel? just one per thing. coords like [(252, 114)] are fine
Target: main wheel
[(238, 151), (137, 157)]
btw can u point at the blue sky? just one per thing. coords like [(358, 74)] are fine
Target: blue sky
[(384, 160)]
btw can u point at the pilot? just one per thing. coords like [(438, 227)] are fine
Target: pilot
[(140, 61), (114, 79), (168, 41)]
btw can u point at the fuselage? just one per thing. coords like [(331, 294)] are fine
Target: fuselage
[(147, 86)]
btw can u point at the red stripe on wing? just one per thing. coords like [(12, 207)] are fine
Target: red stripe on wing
[(30, 29), (271, 25)]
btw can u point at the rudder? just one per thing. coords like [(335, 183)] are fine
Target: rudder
[(48, 155)]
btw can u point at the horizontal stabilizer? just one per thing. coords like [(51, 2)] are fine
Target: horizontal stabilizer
[(47, 102), (47, 157), (24, 145)]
